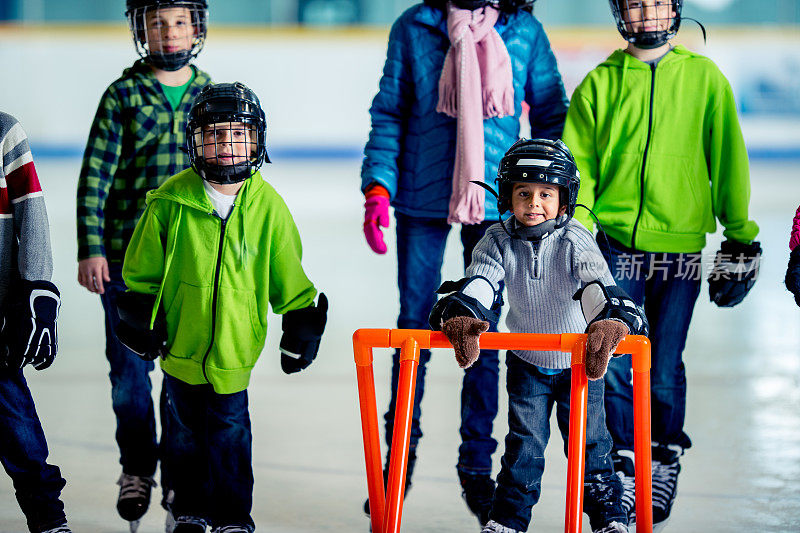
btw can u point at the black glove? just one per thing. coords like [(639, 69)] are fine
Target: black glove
[(793, 274), (302, 331), (734, 273), (29, 327), (135, 310)]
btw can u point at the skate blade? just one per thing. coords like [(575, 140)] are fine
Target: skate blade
[(656, 527)]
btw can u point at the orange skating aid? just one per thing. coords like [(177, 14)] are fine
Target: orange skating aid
[(386, 505)]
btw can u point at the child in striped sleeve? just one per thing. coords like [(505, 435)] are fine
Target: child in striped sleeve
[(557, 282), (29, 305), (134, 144)]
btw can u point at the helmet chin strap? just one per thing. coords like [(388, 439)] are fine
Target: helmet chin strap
[(534, 233), (528, 233)]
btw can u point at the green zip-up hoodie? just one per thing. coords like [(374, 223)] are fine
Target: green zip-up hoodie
[(215, 279), (660, 152)]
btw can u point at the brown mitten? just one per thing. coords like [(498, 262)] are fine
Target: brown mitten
[(604, 335), (463, 333)]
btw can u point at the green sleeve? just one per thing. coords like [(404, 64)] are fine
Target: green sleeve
[(289, 287), (143, 268), (579, 136), (100, 161), (729, 170)]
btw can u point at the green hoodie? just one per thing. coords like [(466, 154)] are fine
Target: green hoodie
[(660, 152), (215, 279)]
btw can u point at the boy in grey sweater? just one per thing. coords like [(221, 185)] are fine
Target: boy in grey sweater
[(29, 305), (557, 283)]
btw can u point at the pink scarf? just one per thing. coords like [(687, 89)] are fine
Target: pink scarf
[(475, 83)]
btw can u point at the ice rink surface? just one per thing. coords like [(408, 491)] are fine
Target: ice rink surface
[(743, 367)]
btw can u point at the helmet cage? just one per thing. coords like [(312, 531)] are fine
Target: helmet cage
[(539, 161), (220, 106), (138, 14), (645, 39)]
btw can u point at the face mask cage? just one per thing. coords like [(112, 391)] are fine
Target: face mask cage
[(168, 35), (664, 15), (228, 149)]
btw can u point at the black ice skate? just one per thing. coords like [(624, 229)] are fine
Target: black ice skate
[(626, 471), (665, 481), (63, 528), (134, 498), (478, 491), (412, 461), (190, 524)]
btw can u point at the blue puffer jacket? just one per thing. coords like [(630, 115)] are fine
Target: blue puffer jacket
[(411, 147)]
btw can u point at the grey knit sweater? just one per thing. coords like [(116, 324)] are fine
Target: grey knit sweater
[(540, 281), (24, 229)]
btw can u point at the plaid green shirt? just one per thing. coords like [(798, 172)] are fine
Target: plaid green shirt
[(135, 144)]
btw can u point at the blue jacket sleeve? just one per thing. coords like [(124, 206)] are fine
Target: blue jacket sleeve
[(389, 107), (544, 90)]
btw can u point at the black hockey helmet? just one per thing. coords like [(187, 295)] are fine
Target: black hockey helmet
[(538, 161), (138, 11), (220, 106), (622, 9)]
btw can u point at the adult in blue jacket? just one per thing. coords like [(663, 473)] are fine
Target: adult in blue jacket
[(409, 163)]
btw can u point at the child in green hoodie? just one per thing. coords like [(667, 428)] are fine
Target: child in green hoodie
[(656, 138), (215, 247), (133, 146)]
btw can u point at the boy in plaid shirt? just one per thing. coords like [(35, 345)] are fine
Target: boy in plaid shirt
[(133, 146)]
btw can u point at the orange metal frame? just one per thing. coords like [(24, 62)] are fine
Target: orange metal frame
[(386, 507)]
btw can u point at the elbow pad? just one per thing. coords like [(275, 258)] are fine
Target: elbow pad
[(302, 332), (133, 331), (463, 298), (601, 302)]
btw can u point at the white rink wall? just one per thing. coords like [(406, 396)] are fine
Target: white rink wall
[(316, 86)]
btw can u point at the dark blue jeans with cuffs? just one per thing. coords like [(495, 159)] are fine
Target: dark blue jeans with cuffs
[(23, 453)]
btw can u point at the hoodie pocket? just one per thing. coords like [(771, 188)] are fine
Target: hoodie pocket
[(677, 196), (189, 322), (240, 336)]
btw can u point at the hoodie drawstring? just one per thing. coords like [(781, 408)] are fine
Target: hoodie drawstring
[(243, 248)]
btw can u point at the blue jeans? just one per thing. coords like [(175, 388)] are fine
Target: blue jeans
[(531, 395), (23, 452), (667, 284), (130, 391), (420, 254), (209, 450)]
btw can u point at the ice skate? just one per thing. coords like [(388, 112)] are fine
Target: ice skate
[(134, 498)]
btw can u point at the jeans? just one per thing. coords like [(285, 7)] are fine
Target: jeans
[(667, 285), (23, 452), (531, 395), (130, 392), (420, 254), (209, 450)]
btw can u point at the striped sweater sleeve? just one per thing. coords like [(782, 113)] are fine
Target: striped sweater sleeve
[(22, 201)]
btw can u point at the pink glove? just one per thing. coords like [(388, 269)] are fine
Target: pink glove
[(794, 241), (376, 214)]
